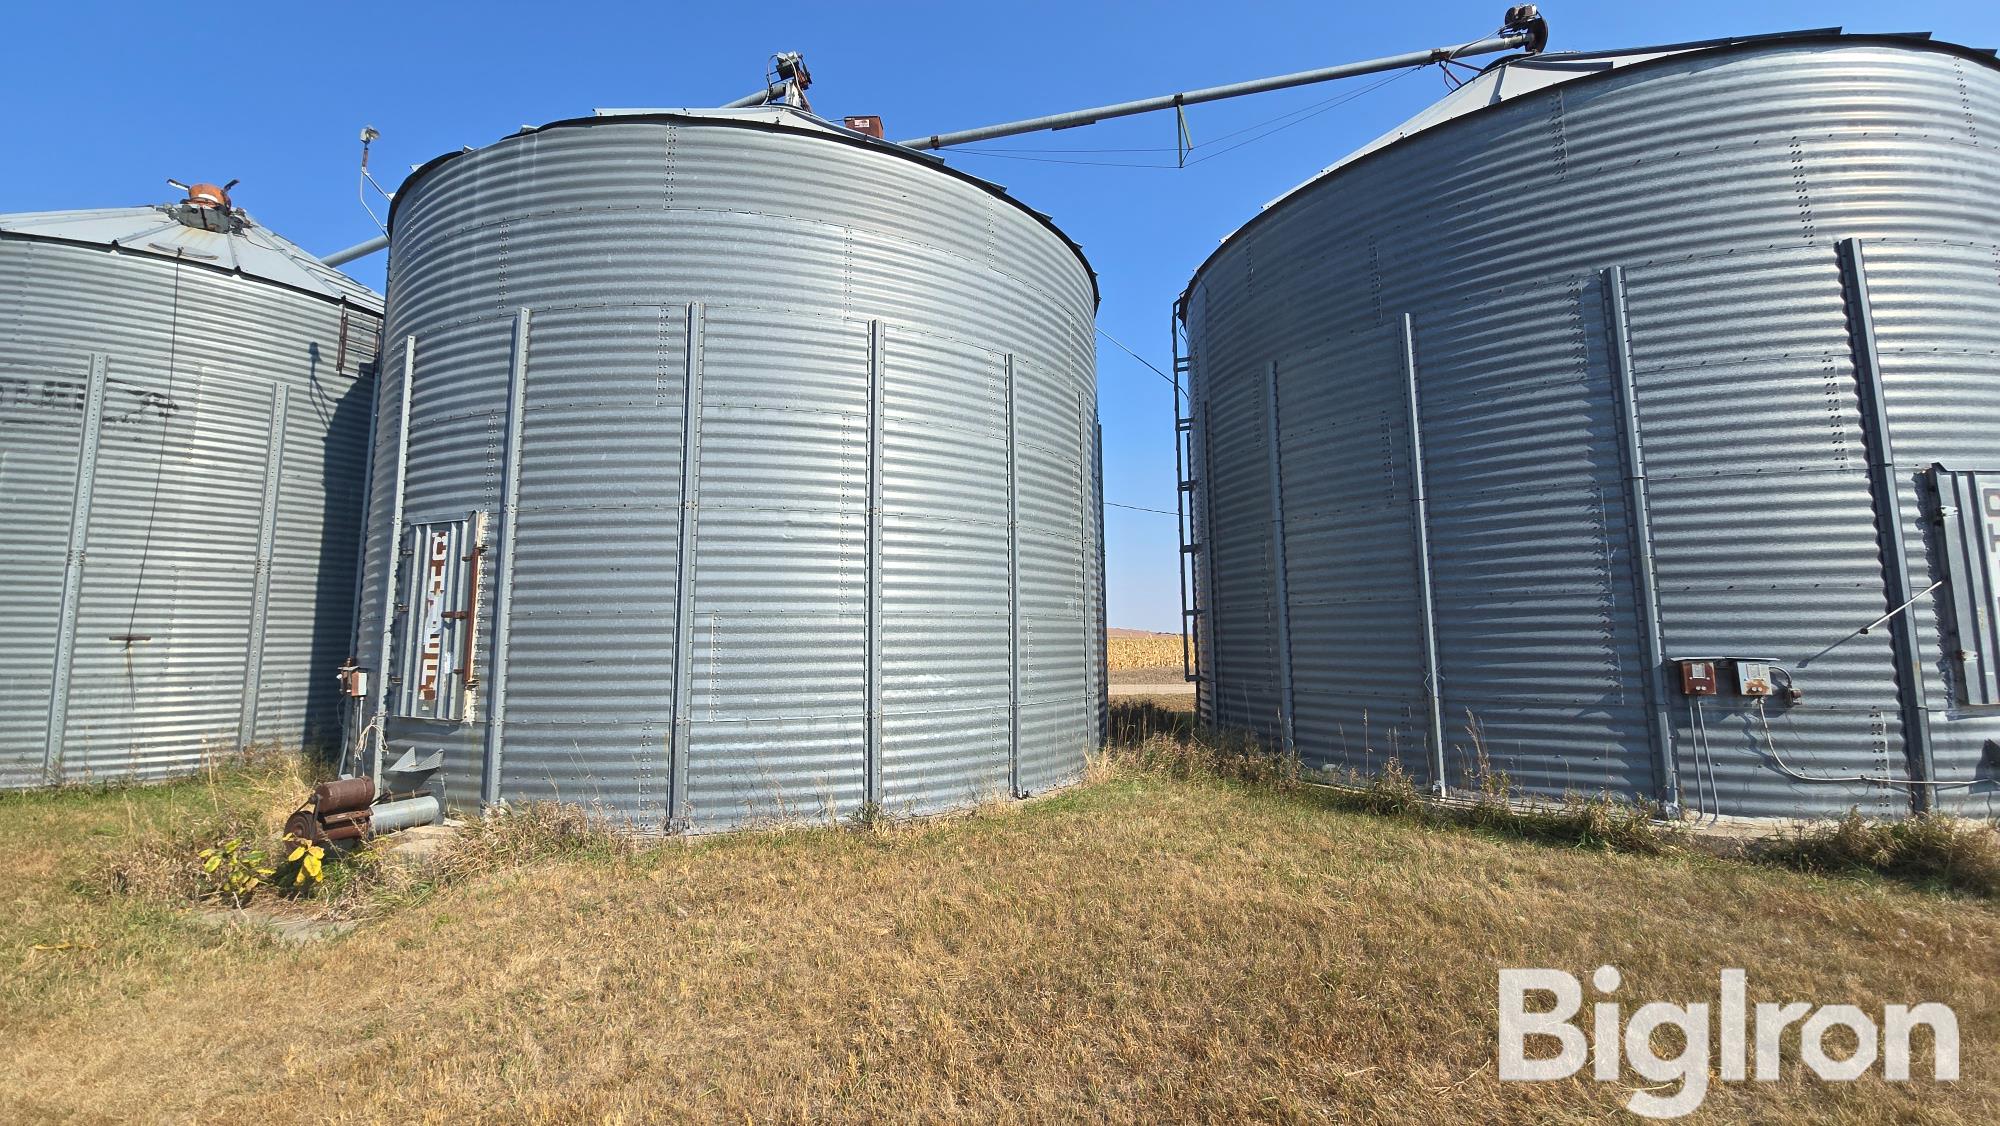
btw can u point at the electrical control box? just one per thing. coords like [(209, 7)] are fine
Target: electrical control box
[(353, 682), (1697, 678), (1753, 678)]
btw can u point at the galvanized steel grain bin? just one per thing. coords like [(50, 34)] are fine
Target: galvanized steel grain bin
[(732, 467), (184, 404), (1623, 423)]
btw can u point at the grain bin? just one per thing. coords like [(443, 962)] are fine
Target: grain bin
[(1624, 423), (184, 399), (731, 466)]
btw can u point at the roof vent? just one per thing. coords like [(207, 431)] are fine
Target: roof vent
[(206, 207)]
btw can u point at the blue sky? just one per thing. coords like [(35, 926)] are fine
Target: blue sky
[(110, 100)]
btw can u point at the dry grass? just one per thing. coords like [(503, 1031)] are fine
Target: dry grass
[(1933, 850), (1190, 936), (1181, 702)]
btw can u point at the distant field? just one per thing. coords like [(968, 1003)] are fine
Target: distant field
[(1152, 946), (1132, 650)]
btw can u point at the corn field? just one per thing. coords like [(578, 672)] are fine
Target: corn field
[(1143, 651)]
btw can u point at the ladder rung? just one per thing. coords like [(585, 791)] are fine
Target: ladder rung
[(1190, 548)]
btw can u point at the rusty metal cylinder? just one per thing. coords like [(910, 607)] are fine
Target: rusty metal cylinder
[(350, 825), (343, 795), (301, 825)]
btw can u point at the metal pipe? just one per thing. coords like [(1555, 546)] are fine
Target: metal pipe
[(381, 242), (468, 618), (409, 813), (358, 250), (1666, 767), (356, 710), (1911, 601), (342, 795), (748, 101), (340, 348), (1420, 518), (1074, 118)]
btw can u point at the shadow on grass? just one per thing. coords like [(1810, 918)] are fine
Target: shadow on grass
[(1135, 721), (1148, 737)]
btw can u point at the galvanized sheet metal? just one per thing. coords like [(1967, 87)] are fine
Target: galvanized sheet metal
[(215, 573), (591, 662), (1721, 181), (765, 461), (249, 249), (1967, 510), (267, 534)]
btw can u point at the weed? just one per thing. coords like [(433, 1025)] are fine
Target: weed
[(1185, 753), (1930, 850), (1391, 792), (303, 861), (867, 817), (1149, 737), (1134, 721), (524, 833), (205, 858), (264, 768), (232, 870), (1599, 821)]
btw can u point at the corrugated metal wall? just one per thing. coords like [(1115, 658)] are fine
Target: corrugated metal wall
[(806, 460), (1722, 186), (207, 485)]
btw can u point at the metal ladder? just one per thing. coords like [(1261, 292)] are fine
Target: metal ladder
[(1192, 610)]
